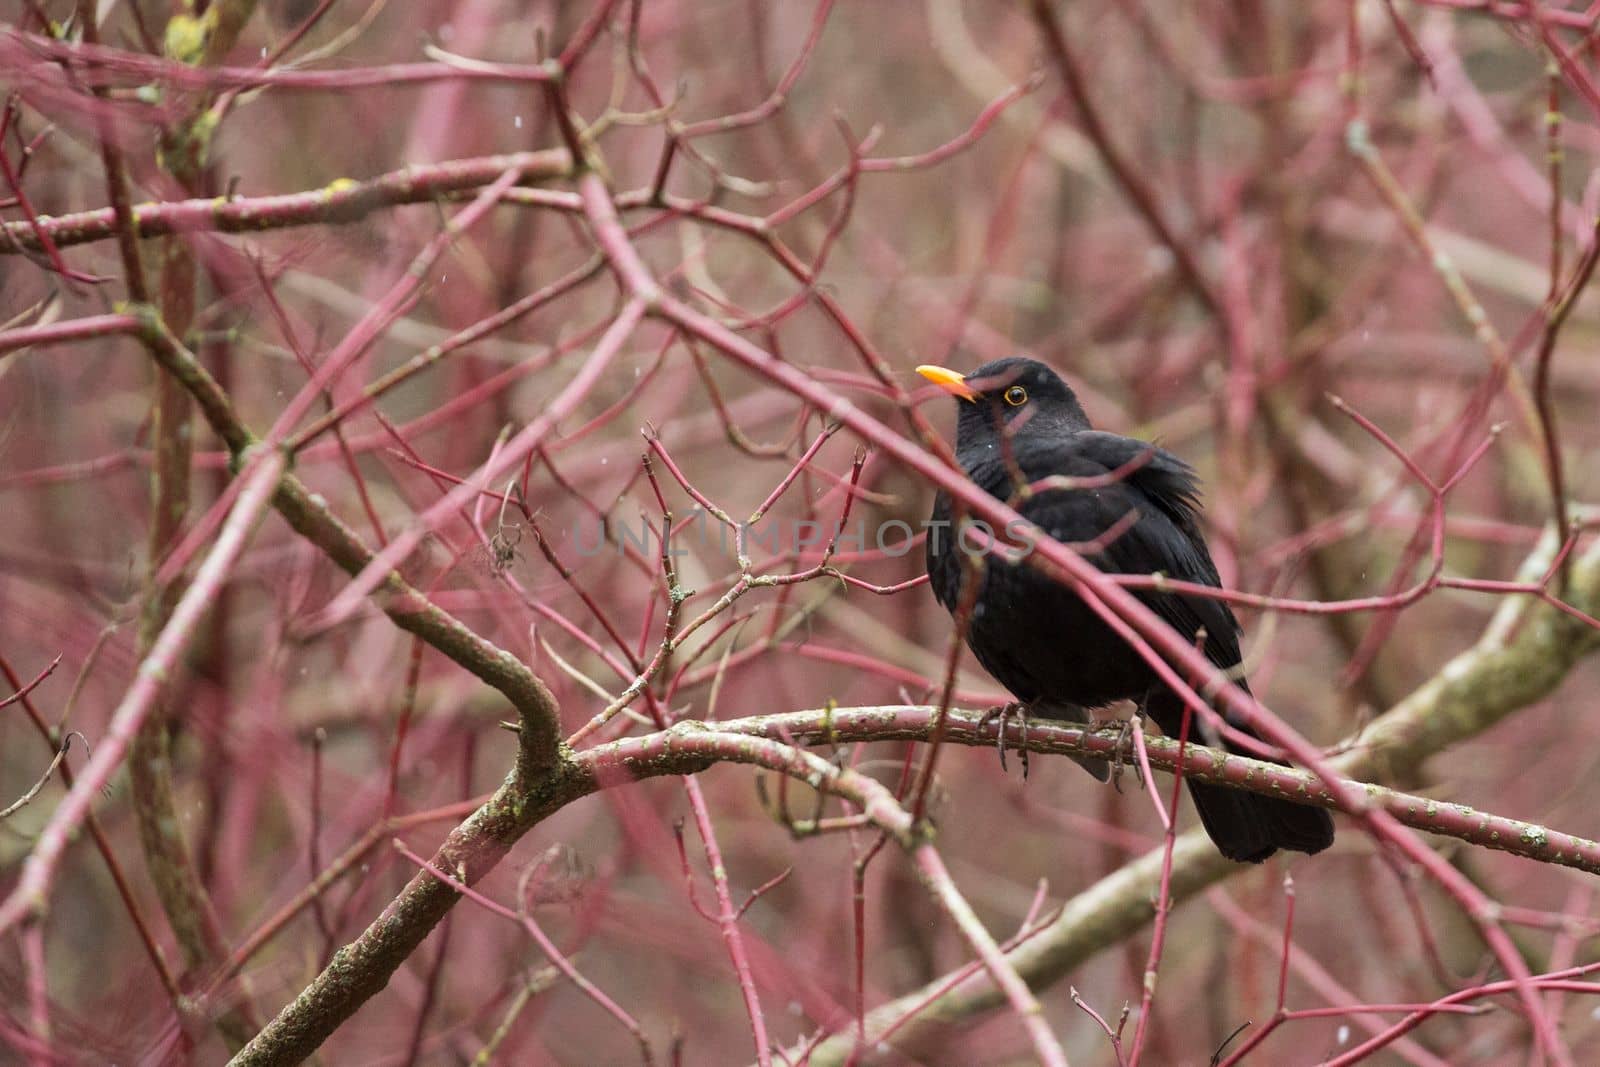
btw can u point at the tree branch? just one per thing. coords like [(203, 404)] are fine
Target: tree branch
[(340, 201)]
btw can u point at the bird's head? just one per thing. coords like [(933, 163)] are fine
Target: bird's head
[(1022, 398)]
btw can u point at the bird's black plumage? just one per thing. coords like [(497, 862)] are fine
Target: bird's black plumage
[(1019, 421)]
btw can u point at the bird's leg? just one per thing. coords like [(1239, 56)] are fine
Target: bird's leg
[(1125, 748), (1004, 713)]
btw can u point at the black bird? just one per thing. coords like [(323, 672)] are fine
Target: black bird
[(1019, 423)]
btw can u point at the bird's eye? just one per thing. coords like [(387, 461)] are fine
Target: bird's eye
[(1016, 396)]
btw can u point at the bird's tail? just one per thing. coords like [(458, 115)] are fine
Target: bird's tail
[(1246, 827)]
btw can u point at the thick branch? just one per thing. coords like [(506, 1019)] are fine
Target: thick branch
[(912, 723), (167, 853), (340, 201)]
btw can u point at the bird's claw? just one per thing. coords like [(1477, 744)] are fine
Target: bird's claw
[(1004, 713), (1124, 749)]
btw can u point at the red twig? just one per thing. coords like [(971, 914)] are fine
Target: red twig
[(727, 920), (67, 331), (23, 691)]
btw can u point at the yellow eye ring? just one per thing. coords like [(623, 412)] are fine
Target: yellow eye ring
[(1016, 396)]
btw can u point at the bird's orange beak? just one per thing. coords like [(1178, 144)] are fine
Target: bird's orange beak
[(949, 381)]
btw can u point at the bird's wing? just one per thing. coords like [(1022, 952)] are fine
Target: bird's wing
[(941, 564), (1165, 480), (1166, 538)]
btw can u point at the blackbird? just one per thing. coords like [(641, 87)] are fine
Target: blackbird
[(1137, 512)]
